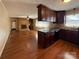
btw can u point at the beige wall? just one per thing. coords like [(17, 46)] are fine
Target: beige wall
[(19, 22), (20, 9), (23, 21), (4, 26)]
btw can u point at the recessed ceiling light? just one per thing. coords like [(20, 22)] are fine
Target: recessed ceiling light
[(66, 1)]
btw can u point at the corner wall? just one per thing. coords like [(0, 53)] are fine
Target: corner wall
[(4, 26)]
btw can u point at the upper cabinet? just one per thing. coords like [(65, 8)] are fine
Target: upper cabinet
[(46, 14), (60, 17), (41, 12)]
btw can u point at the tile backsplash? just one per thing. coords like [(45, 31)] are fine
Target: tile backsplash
[(51, 26)]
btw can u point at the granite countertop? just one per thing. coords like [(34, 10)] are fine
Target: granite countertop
[(48, 30), (71, 29)]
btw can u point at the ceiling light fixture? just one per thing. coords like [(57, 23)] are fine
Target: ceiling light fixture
[(66, 1)]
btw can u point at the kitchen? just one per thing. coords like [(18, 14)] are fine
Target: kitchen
[(39, 29), (58, 33), (53, 25)]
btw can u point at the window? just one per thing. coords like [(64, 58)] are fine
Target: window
[(72, 20)]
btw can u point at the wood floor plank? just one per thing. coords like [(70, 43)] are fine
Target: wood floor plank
[(61, 50), (22, 45)]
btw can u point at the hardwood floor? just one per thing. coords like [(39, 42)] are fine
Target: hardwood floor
[(60, 50), (23, 45)]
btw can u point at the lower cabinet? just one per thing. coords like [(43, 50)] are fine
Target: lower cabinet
[(69, 35), (45, 39)]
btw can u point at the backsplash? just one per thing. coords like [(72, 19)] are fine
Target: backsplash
[(63, 26), (52, 26)]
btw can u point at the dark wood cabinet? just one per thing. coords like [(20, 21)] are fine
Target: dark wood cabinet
[(45, 39), (41, 12), (60, 17), (45, 14), (69, 35)]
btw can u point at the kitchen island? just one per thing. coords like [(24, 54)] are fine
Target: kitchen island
[(46, 37)]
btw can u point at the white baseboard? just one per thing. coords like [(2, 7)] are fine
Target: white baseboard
[(4, 43)]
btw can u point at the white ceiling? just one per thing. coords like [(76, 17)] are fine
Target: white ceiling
[(29, 7), (59, 5), (21, 9)]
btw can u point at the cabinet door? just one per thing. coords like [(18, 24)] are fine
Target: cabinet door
[(62, 34), (60, 17), (41, 39), (43, 13), (53, 17), (73, 37)]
